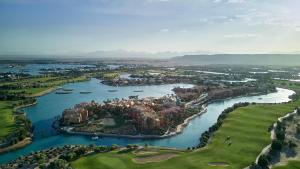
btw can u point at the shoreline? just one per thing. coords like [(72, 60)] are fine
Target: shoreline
[(20, 144), (25, 105), (42, 93), (179, 129), (54, 88)]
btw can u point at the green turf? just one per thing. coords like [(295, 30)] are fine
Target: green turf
[(247, 127), (288, 85), (7, 120), (111, 75), (48, 82), (290, 165)]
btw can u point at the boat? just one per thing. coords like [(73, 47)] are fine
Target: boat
[(63, 92), (64, 89), (114, 90), (95, 138), (85, 92), (138, 91), (133, 97)]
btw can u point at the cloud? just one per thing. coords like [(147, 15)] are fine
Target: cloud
[(164, 30), (158, 1), (203, 20), (229, 1), (242, 35), (236, 1)]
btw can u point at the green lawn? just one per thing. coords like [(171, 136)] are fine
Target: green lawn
[(7, 120), (290, 165), (288, 85), (48, 82), (247, 127), (111, 75)]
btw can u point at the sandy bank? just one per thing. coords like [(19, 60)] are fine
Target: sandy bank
[(18, 145), (44, 92)]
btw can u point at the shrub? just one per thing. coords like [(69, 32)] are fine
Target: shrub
[(263, 161), (276, 145), (298, 129), (68, 156), (298, 110), (80, 151), (279, 126), (100, 149), (280, 135), (291, 144), (59, 164), (255, 166)]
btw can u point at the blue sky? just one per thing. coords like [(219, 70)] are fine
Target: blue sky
[(212, 26)]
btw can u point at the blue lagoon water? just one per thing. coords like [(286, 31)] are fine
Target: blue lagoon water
[(51, 105)]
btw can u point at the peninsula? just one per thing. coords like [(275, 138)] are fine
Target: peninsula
[(146, 117)]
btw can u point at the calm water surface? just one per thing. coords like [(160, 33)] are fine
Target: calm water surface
[(53, 104)]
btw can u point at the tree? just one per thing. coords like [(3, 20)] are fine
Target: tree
[(291, 144), (263, 161), (276, 145), (80, 151), (68, 156), (100, 149), (280, 135), (255, 166), (298, 128), (59, 164)]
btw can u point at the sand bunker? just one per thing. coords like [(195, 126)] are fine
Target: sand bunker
[(142, 152), (154, 158), (218, 164)]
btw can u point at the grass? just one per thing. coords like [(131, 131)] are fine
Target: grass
[(288, 84), (7, 123), (111, 75), (247, 127), (47, 83), (290, 165)]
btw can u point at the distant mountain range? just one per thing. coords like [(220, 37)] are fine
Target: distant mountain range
[(121, 54), (244, 59), (191, 58), (102, 54)]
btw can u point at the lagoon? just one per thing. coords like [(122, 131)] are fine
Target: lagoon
[(51, 105)]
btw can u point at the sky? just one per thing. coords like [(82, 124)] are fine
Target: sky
[(204, 26)]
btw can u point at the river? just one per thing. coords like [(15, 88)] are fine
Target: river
[(51, 105)]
